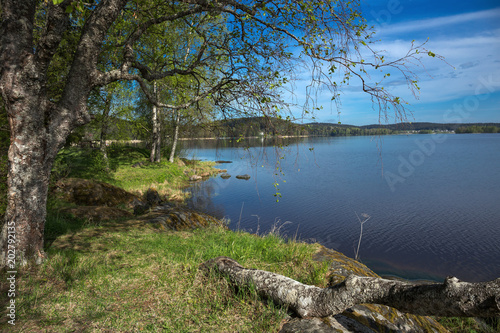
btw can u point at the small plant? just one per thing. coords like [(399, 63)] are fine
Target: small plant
[(101, 164), (366, 218), (61, 168)]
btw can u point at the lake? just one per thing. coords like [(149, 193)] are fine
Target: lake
[(433, 199)]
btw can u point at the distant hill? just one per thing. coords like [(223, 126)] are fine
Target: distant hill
[(324, 128), (258, 126), (247, 127), (418, 126)]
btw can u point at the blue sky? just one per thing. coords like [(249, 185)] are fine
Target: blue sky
[(463, 89)]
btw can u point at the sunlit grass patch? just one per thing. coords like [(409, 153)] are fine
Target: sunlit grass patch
[(130, 169), (106, 278)]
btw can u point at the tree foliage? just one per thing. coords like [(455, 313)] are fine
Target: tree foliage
[(242, 55)]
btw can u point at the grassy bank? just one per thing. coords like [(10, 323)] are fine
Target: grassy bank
[(130, 169), (126, 276)]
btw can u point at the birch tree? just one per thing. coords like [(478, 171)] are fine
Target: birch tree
[(263, 44)]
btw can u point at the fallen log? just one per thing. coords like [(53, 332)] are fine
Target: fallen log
[(453, 298)]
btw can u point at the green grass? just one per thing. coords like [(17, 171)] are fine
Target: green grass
[(470, 325), (169, 179), (126, 277)]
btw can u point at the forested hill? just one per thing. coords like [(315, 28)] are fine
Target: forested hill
[(419, 126), (120, 129), (260, 126)]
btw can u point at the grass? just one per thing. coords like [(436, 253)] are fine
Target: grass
[(169, 179), (126, 277), (470, 325)]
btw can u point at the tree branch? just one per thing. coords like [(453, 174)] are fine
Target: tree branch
[(83, 74), (56, 24), (451, 298), (136, 35)]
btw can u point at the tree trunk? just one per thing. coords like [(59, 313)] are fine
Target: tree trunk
[(39, 127), (104, 128), (176, 136), (156, 139), (25, 218), (452, 298), (31, 156)]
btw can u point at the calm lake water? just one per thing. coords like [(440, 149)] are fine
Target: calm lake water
[(434, 200)]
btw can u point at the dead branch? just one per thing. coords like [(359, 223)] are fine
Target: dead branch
[(451, 298)]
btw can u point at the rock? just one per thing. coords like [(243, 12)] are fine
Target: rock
[(362, 318), (180, 218), (195, 178), (138, 165), (205, 174), (188, 162), (180, 163), (313, 325), (86, 192), (140, 207), (225, 176), (97, 213), (245, 177), (152, 197), (164, 207)]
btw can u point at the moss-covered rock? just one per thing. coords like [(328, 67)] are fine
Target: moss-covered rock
[(97, 213), (168, 217), (369, 318), (86, 192)]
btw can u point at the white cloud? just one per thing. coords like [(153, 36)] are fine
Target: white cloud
[(467, 59), (470, 59), (438, 22)]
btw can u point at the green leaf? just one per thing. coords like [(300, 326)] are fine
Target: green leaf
[(431, 54)]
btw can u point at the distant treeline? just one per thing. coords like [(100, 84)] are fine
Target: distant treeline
[(120, 129), (438, 127), (478, 129), (269, 127), (246, 127)]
